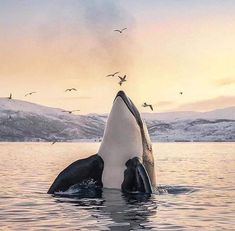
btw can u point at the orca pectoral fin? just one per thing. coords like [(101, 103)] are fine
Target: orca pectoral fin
[(144, 178), (90, 168), (136, 178)]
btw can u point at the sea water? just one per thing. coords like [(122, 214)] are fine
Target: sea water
[(196, 190)]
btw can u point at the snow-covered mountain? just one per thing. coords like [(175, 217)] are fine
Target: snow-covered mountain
[(24, 121), (225, 113)]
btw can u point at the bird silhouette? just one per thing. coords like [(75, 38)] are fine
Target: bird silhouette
[(53, 142), (10, 97), (120, 31), (70, 89), (70, 112), (30, 93), (122, 79), (148, 105), (112, 74), (181, 93)]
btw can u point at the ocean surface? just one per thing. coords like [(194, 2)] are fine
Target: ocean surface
[(196, 190)]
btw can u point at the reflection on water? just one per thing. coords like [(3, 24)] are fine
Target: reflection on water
[(195, 190), (115, 210)]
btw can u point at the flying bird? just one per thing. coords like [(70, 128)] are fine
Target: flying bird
[(55, 141), (112, 74), (148, 105), (181, 93), (70, 112), (120, 31), (71, 89), (122, 79), (10, 97), (30, 93)]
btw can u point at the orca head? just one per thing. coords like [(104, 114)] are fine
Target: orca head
[(122, 140)]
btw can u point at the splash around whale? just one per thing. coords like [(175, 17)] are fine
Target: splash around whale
[(124, 160)]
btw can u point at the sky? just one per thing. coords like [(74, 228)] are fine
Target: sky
[(170, 46)]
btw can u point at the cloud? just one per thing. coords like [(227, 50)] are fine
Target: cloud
[(209, 104), (100, 18), (225, 81), (83, 32)]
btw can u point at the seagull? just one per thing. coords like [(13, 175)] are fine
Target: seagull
[(10, 97), (112, 74), (120, 31), (70, 112), (55, 141), (71, 89), (122, 79), (181, 93), (30, 93), (148, 105)]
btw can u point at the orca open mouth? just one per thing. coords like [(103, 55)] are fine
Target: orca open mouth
[(134, 111)]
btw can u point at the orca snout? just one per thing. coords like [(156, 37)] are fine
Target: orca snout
[(121, 94)]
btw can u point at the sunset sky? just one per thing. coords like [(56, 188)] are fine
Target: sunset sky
[(170, 46)]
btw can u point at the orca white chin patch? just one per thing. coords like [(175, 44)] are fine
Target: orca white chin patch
[(121, 142)]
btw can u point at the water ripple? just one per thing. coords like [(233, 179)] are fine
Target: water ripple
[(195, 192)]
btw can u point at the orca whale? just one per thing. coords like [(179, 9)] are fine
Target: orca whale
[(124, 160)]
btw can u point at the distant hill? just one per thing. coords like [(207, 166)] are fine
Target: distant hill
[(225, 113), (24, 121)]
